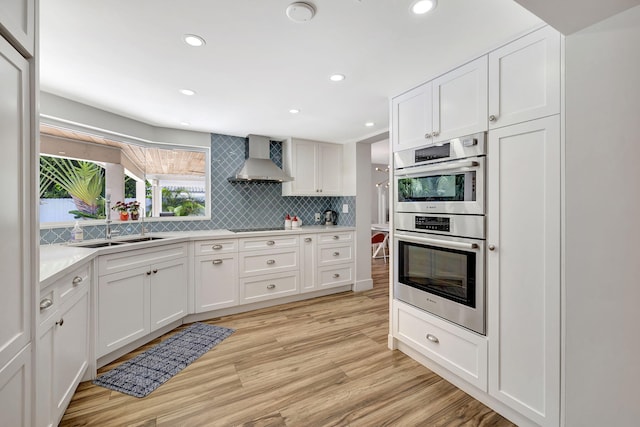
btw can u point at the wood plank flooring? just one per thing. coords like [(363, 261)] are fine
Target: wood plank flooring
[(321, 362)]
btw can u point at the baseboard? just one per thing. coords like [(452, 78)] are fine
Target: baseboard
[(363, 285)]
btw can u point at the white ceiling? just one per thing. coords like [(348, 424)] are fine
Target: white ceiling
[(128, 57)]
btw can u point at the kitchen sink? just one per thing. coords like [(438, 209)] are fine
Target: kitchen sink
[(119, 242), (98, 244), (139, 239)]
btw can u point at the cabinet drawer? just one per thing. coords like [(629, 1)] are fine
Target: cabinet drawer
[(263, 288), (252, 263), (462, 352), (127, 260), (207, 247), (341, 237), (72, 283), (271, 242), (335, 254), (329, 277)]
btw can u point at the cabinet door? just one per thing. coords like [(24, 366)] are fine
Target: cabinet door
[(70, 351), (17, 18), (123, 308), (304, 168), (460, 101), (308, 264), (15, 390), (523, 268), (329, 169), (524, 79), (412, 118), (45, 368), (168, 292), (15, 304), (216, 280)]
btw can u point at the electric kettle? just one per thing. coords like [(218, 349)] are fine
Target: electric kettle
[(330, 217)]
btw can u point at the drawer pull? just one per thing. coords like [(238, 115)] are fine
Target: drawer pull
[(433, 338), (336, 275), (45, 303), (217, 261), (76, 281), (60, 322), (336, 237), (271, 261), (307, 239), (155, 271), (148, 273), (336, 254), (270, 242), (216, 247), (271, 286)]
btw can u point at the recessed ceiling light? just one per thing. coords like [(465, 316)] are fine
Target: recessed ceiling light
[(193, 40), (301, 11), (294, 111), (369, 124), (337, 77), (187, 92), (421, 7)]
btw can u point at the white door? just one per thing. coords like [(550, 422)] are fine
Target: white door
[(15, 390), (18, 17), (304, 168), (216, 280), (168, 293), (15, 304), (460, 101), (524, 79), (411, 115), (523, 268), (330, 169)]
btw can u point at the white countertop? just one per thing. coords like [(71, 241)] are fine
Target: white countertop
[(58, 259)]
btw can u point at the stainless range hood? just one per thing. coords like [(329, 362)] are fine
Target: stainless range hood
[(258, 166)]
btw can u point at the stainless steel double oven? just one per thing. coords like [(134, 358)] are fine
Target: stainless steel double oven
[(439, 229)]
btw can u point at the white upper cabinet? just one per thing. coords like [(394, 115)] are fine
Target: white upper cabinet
[(460, 101), (315, 166), (412, 118), (524, 79), (453, 105), (17, 23)]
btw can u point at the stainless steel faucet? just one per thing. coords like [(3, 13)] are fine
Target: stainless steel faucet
[(108, 233)]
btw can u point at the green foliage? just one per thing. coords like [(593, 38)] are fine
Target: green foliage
[(181, 203)]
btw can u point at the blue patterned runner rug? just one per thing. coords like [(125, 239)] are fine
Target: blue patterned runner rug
[(147, 371)]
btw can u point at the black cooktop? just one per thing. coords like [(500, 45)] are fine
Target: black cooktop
[(249, 230)]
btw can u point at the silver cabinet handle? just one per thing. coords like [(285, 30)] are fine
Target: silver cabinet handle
[(336, 237), (216, 247), (45, 303), (434, 134), (76, 281), (336, 275), (217, 261), (336, 254), (60, 322), (271, 286), (493, 118), (427, 135), (433, 338), (307, 239), (270, 242), (271, 261), (492, 247)]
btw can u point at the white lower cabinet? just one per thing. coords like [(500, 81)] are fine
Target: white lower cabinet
[(308, 262), (63, 344), (216, 282), (462, 352), (260, 288), (15, 390), (523, 268), (145, 290), (335, 260)]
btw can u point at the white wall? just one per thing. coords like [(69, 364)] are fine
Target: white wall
[(602, 275)]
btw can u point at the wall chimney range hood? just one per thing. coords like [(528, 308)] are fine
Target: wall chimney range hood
[(258, 166)]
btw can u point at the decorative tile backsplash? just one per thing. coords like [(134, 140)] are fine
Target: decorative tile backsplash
[(233, 205)]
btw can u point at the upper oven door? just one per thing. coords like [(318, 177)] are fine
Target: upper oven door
[(455, 187)]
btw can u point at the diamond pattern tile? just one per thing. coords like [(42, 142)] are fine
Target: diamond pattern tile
[(233, 205)]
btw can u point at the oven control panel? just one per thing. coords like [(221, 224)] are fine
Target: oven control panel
[(433, 223)]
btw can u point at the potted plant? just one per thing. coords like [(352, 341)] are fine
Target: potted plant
[(134, 210), (123, 210)]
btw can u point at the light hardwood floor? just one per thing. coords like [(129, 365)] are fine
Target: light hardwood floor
[(322, 362)]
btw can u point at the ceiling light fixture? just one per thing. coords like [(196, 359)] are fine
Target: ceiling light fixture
[(187, 92), (294, 111), (337, 77), (193, 40), (369, 124), (421, 7), (301, 11)]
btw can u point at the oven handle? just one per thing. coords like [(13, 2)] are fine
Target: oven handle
[(438, 168), (439, 242)]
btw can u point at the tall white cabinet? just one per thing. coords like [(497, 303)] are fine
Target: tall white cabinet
[(17, 143)]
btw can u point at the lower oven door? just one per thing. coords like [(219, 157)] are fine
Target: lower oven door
[(442, 275)]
